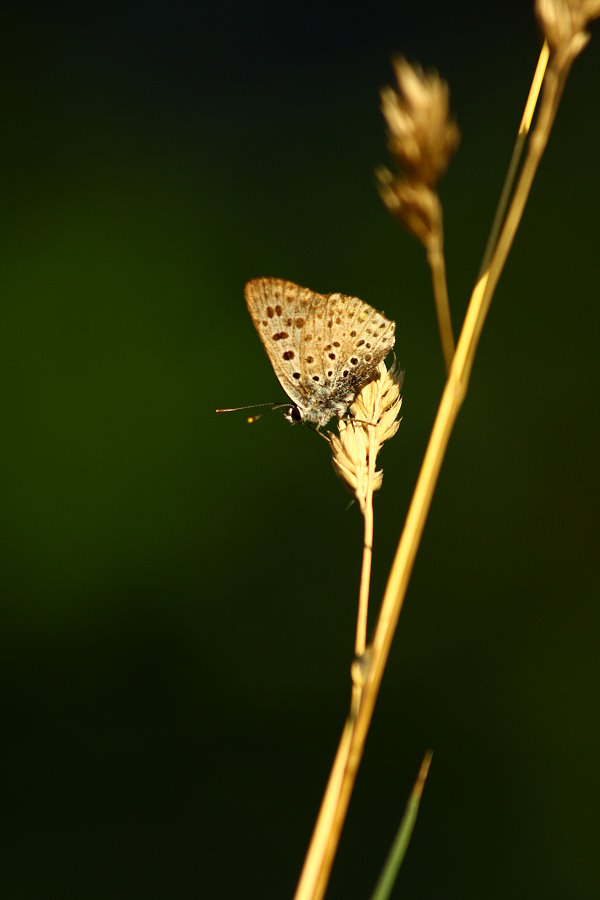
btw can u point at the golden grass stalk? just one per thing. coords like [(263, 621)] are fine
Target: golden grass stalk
[(515, 158), (563, 22)]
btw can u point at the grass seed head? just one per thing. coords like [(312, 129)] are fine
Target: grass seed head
[(563, 23), (375, 421), (421, 137)]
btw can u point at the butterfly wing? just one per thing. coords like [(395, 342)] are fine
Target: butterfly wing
[(281, 312), (359, 338)]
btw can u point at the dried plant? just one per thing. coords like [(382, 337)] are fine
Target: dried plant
[(375, 420), (563, 23), (422, 140), (421, 136)]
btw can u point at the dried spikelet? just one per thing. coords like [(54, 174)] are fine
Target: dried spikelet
[(378, 403), (416, 205), (564, 22), (422, 139)]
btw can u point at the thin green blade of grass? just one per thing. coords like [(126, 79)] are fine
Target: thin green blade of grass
[(388, 876)]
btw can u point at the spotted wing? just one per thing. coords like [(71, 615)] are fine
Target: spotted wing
[(280, 311), (357, 339)]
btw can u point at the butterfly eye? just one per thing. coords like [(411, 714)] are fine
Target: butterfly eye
[(293, 414)]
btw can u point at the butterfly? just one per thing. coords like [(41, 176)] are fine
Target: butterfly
[(324, 348)]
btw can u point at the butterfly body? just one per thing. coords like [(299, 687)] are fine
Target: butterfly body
[(323, 347)]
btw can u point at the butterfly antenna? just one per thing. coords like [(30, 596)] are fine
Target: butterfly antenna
[(249, 406), (276, 406), (272, 407)]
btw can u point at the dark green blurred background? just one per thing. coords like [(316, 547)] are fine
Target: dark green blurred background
[(179, 590)]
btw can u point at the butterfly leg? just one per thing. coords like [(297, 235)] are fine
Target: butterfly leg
[(317, 430)]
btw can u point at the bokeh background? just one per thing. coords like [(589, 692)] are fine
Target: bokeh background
[(179, 590)]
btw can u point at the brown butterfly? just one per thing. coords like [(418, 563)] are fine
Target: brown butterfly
[(324, 348)]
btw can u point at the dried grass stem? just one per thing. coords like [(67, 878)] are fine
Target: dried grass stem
[(437, 265), (375, 420), (325, 840), (360, 642)]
